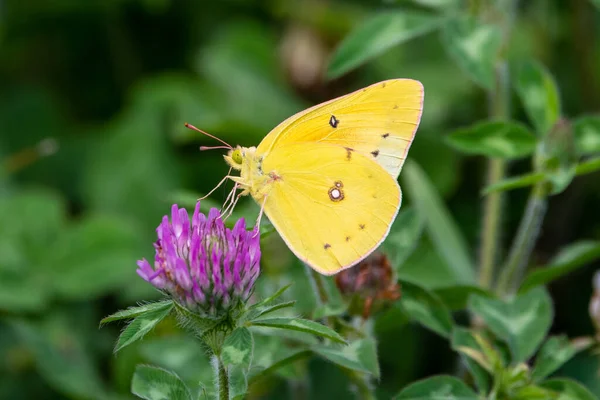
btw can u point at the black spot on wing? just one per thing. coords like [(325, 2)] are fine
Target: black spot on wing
[(349, 151), (385, 135), (326, 246), (333, 121), (375, 153)]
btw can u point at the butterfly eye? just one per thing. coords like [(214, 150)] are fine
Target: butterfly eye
[(236, 156)]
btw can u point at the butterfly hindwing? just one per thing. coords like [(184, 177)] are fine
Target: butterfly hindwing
[(331, 206), (378, 122)]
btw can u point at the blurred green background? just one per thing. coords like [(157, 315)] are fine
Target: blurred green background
[(93, 152)]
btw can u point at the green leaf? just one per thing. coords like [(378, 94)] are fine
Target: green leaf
[(570, 258), (501, 139), (278, 356), (443, 230), (455, 298), (180, 354), (539, 95), (463, 338), (554, 353), (141, 325), (404, 235), (360, 355), (301, 325), (440, 387), (515, 182), (596, 3), (530, 179), (238, 382), (587, 134), (568, 389), (425, 308), (521, 322), (133, 312), (587, 167), (269, 300), (329, 310), (376, 35), (238, 347), (259, 312), (152, 383), (474, 46)]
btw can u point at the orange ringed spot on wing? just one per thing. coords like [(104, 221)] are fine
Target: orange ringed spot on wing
[(336, 193)]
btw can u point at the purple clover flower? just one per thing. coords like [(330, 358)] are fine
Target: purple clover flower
[(204, 266)]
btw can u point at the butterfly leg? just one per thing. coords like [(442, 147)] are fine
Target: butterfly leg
[(230, 202), (260, 214), (229, 198), (216, 187), (230, 207)]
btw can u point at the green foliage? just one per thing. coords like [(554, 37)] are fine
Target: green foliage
[(554, 353), (141, 325), (502, 139), (438, 388), (94, 150), (360, 355), (153, 383), (539, 95), (376, 35), (521, 322), (439, 223), (587, 134), (425, 308), (237, 348), (474, 46), (300, 325), (576, 255)]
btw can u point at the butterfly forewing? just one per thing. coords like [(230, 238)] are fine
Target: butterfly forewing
[(378, 122)]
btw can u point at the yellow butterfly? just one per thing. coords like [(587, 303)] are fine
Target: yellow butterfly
[(327, 177)]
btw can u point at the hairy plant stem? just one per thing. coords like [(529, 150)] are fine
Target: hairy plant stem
[(492, 208), (222, 378), (364, 387), (527, 234)]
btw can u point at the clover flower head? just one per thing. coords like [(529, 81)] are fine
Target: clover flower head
[(204, 266)]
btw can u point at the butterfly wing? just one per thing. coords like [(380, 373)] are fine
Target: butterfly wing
[(332, 207), (378, 122)]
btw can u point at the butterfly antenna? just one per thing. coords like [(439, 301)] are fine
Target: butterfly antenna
[(202, 148), (192, 127)]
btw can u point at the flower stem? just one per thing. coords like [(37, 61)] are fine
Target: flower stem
[(527, 234), (222, 378)]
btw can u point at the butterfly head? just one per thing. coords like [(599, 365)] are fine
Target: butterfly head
[(237, 155)]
